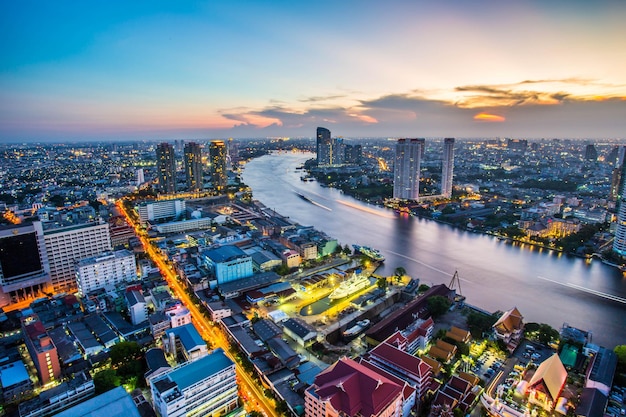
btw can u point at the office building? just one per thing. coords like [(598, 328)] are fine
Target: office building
[(67, 244), (447, 167), (107, 269), (217, 156), (160, 210), (407, 169), (166, 168), (24, 268), (328, 149), (206, 387), (42, 349), (193, 166), (228, 263)]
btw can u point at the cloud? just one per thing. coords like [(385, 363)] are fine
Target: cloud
[(486, 117)]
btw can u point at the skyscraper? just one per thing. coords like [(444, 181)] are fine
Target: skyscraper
[(166, 168), (619, 243), (591, 154), (217, 155), (328, 149), (447, 167), (406, 173), (193, 166)]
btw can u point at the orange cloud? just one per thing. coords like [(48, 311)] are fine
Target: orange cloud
[(486, 117), (363, 117)]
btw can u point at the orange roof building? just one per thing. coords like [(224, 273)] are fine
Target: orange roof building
[(547, 382), (510, 327), (460, 335)]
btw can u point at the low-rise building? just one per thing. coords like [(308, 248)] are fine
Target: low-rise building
[(300, 331), (15, 382), (137, 306), (186, 341), (509, 328)]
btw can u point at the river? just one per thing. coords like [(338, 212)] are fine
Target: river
[(546, 286)]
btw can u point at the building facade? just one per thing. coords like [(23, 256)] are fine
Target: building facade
[(217, 156), (328, 149), (193, 166), (106, 269), (166, 168), (42, 349), (447, 167), (406, 183), (66, 245), (160, 210), (229, 263), (206, 387)]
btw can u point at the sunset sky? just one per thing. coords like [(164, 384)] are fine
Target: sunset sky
[(179, 69)]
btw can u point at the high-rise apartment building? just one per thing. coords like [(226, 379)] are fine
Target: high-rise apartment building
[(193, 166), (447, 167), (166, 168), (41, 348), (619, 243), (406, 183), (206, 386), (353, 154), (217, 156), (140, 177), (24, 268), (67, 244), (106, 269), (328, 149)]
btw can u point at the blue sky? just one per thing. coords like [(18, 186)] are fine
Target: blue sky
[(170, 70)]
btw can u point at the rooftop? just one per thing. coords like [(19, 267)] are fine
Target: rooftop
[(193, 372), (114, 403)]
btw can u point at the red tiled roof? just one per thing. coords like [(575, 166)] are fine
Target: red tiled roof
[(411, 364), (354, 388), (35, 330), (407, 390)]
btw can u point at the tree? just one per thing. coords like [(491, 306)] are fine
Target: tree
[(399, 273), (620, 351), (106, 380), (347, 251), (382, 283), (124, 352), (422, 288), (437, 305), (57, 200)]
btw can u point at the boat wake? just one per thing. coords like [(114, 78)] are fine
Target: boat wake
[(587, 290), (447, 274), (308, 200)]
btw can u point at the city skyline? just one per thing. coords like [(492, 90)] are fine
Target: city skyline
[(363, 69)]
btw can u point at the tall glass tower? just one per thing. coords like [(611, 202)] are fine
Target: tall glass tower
[(619, 243), (447, 167), (217, 156), (193, 166), (406, 183), (166, 168)]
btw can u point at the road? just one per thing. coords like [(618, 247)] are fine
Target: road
[(208, 331)]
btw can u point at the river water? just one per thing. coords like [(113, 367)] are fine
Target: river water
[(546, 286)]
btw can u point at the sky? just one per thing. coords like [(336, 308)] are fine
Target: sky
[(158, 70)]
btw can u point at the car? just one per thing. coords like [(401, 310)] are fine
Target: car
[(526, 355), (535, 356)]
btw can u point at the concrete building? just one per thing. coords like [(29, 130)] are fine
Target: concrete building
[(217, 160), (42, 350), (114, 403), (166, 168), (229, 263), (185, 341), (70, 243), (67, 394), (15, 383), (105, 270), (328, 149), (137, 306), (24, 268), (206, 387), (447, 167), (160, 210), (193, 166), (406, 183)]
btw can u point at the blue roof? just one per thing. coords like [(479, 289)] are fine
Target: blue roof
[(113, 403), (188, 336), (196, 371), (13, 373), (225, 253)]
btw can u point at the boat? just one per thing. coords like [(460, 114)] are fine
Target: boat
[(369, 252), (305, 198), (356, 329), (353, 284)]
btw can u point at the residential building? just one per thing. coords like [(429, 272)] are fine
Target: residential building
[(24, 268), (56, 399), (15, 383), (217, 161), (350, 389), (137, 306), (166, 168), (327, 148), (206, 386), (619, 243), (193, 166), (113, 403), (42, 349), (157, 364), (447, 167), (107, 269), (66, 244), (407, 168)]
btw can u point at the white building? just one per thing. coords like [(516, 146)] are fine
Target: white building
[(137, 307), (106, 269), (406, 182), (447, 167), (67, 244), (178, 316), (205, 387), (159, 210)]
